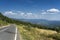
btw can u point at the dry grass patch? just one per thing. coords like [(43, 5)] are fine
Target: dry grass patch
[(30, 33), (47, 32)]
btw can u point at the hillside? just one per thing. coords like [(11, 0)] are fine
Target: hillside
[(31, 31), (2, 20)]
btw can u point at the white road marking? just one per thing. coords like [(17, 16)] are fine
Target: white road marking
[(15, 34)]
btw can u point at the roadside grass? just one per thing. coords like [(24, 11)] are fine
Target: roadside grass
[(3, 23), (30, 33)]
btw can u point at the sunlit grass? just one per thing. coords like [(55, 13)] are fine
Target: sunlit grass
[(2, 23), (30, 33)]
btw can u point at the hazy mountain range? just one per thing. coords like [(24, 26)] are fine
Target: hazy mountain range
[(42, 22)]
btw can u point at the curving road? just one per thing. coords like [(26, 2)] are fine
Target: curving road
[(9, 33)]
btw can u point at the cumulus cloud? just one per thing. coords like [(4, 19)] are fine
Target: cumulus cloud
[(44, 14), (29, 14), (9, 13), (53, 10), (20, 14)]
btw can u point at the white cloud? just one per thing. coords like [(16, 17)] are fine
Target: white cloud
[(29, 14), (53, 10), (20, 14), (9, 13), (45, 14)]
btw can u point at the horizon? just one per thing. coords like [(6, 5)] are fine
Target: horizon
[(31, 9)]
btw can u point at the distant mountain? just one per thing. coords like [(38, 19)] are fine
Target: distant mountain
[(42, 22)]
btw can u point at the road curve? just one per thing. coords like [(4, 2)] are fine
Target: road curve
[(9, 33)]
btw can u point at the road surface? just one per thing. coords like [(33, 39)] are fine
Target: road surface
[(9, 33)]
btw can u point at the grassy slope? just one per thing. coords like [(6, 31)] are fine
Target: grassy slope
[(3, 23), (30, 33)]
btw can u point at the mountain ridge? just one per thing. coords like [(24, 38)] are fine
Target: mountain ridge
[(42, 22)]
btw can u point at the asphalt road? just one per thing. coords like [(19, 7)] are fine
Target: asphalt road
[(9, 33)]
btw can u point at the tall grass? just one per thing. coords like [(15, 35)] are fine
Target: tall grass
[(30, 33)]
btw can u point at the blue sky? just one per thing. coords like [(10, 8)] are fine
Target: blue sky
[(31, 9)]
